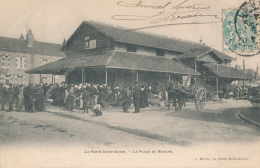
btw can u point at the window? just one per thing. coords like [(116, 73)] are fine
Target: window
[(86, 45), (90, 44), (159, 52), (131, 48), (5, 61), (20, 62)]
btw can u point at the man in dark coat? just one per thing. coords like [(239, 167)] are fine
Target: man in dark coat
[(136, 97), (39, 99), (86, 99), (2, 96), (10, 97), (28, 97), (94, 94), (125, 98)]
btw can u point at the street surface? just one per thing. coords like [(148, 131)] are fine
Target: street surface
[(44, 128), (215, 131), (152, 127)]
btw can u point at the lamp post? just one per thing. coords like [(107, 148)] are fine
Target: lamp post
[(106, 76), (217, 81), (82, 75), (195, 70)]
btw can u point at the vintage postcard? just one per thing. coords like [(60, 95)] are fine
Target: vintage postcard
[(129, 83)]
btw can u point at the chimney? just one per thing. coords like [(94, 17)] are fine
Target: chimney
[(29, 38), (64, 42), (64, 45), (22, 37)]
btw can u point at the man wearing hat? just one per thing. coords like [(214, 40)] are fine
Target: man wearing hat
[(39, 98), (136, 97), (126, 98), (10, 97), (2, 96)]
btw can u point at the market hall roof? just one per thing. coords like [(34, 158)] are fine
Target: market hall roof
[(198, 52), (120, 34), (19, 45), (226, 72), (115, 59)]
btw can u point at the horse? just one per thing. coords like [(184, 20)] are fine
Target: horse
[(175, 95)]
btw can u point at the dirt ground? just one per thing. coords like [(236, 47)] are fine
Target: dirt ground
[(59, 138), (46, 129)]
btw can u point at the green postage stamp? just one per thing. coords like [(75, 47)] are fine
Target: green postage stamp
[(241, 29)]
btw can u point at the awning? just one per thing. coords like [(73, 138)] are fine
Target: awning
[(226, 72), (115, 59)]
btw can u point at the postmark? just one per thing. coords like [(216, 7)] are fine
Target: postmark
[(241, 29)]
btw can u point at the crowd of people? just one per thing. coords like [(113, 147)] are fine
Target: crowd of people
[(238, 92), (86, 96), (30, 96), (33, 97)]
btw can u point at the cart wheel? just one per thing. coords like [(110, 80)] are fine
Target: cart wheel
[(200, 99)]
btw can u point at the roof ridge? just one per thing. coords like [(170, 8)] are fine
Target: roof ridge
[(12, 38), (142, 32), (47, 42), (25, 40)]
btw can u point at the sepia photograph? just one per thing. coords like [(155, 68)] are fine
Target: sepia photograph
[(129, 83)]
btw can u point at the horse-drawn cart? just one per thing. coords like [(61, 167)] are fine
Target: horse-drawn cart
[(255, 100), (255, 96), (180, 93)]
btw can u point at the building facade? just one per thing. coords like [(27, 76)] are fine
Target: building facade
[(106, 54), (19, 55), (214, 67)]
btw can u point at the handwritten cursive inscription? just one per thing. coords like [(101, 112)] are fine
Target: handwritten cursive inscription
[(169, 14), (141, 5)]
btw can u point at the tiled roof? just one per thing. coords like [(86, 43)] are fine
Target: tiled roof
[(195, 52), (116, 59), (205, 50), (222, 55), (124, 35), (17, 45), (226, 72)]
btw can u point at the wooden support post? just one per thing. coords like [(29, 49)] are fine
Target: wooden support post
[(136, 76), (82, 75), (106, 76), (195, 70), (169, 76), (217, 81), (40, 78), (52, 79)]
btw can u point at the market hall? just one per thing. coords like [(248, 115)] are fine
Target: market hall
[(104, 54), (98, 53)]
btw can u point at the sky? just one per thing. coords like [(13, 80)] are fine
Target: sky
[(53, 20)]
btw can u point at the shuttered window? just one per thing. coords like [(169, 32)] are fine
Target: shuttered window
[(20, 62)]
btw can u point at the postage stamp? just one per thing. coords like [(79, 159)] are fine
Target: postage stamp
[(240, 29)]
